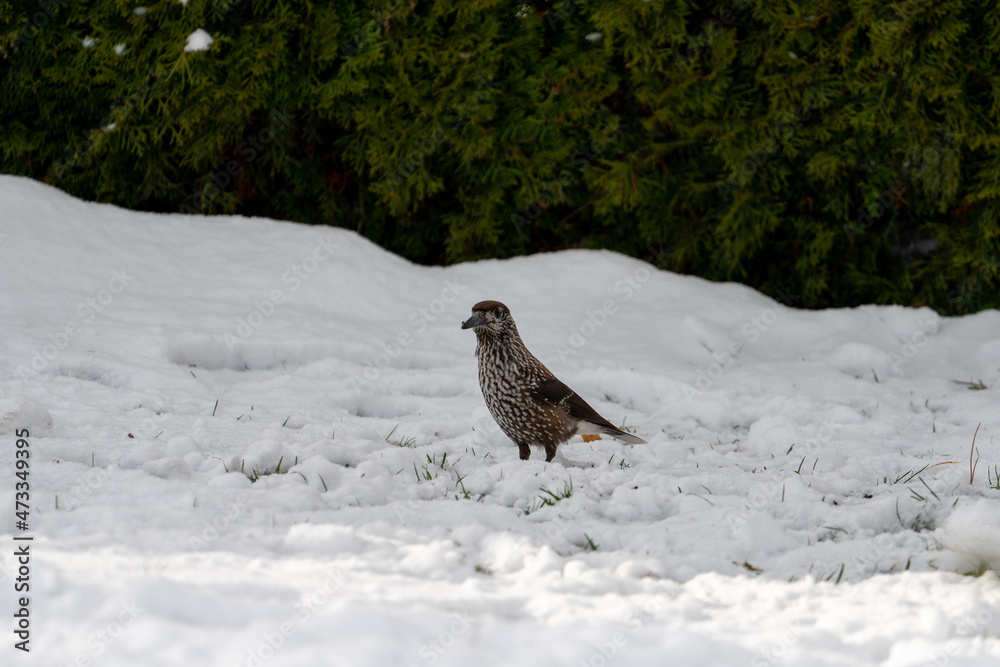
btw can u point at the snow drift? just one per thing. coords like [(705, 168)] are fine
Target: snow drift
[(254, 442)]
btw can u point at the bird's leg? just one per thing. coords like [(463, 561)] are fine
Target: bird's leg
[(525, 450), (550, 452)]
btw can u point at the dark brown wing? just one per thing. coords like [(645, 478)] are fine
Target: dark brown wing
[(558, 394)]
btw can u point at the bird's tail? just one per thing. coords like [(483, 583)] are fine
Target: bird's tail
[(622, 435)]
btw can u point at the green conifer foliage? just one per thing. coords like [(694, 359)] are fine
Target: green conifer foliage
[(828, 153)]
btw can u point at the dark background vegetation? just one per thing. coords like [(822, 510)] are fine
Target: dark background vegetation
[(827, 153)]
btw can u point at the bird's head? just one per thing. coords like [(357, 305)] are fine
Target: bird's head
[(489, 317)]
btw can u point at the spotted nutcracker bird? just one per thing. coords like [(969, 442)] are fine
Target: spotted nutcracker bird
[(529, 404)]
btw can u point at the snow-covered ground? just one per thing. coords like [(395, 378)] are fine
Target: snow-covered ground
[(804, 498)]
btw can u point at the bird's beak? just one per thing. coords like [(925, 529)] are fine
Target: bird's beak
[(474, 321)]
